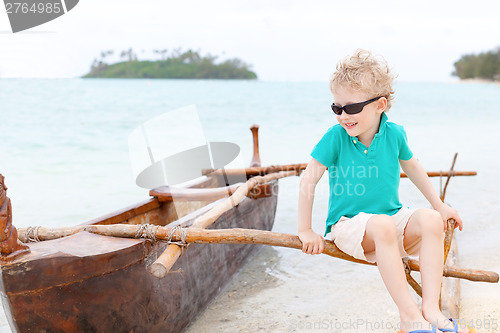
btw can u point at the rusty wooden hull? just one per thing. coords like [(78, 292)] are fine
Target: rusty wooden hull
[(91, 283)]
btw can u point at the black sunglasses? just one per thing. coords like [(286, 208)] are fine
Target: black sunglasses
[(352, 108)]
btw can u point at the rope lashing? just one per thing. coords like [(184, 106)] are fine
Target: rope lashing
[(147, 231), (406, 265), (32, 234), (182, 233)]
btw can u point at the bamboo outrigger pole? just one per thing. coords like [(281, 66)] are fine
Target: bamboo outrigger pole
[(240, 236), (299, 167)]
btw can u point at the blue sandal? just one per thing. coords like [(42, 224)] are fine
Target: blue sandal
[(425, 331)]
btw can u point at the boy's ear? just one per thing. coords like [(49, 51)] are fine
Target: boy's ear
[(381, 104)]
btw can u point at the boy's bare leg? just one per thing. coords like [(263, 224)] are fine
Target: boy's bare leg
[(381, 235), (427, 224)]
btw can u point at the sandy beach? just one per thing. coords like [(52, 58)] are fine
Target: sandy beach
[(267, 297), (279, 292), (264, 297)]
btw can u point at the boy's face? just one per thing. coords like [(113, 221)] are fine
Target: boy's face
[(365, 124)]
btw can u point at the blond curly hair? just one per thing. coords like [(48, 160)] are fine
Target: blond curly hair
[(366, 73)]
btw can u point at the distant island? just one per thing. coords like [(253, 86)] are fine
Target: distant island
[(178, 65), (484, 66)]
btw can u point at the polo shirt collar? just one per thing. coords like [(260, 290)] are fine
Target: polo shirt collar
[(383, 121)]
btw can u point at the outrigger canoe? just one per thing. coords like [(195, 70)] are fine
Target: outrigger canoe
[(81, 279), (92, 283)]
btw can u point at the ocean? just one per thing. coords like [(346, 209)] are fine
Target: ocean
[(64, 143)]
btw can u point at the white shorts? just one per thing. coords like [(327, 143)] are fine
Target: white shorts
[(348, 234)]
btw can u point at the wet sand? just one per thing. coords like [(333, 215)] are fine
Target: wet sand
[(480, 302), (283, 290)]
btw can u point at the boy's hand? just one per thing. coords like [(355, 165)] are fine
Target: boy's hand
[(449, 213), (312, 243)]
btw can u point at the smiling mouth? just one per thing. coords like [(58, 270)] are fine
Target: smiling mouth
[(350, 125)]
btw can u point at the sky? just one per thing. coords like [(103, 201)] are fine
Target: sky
[(283, 40)]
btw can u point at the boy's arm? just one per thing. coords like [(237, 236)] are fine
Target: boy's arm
[(417, 174), (312, 243)]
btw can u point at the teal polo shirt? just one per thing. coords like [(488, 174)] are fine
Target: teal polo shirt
[(363, 179)]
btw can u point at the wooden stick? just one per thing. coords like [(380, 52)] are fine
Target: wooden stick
[(167, 259), (445, 173), (31, 234), (450, 289), (448, 178), (413, 283), (249, 236), (256, 155), (256, 170), (448, 237), (252, 171)]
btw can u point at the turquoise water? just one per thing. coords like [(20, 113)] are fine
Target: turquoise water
[(64, 148), (64, 142)]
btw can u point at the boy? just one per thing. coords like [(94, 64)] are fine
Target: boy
[(363, 154)]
